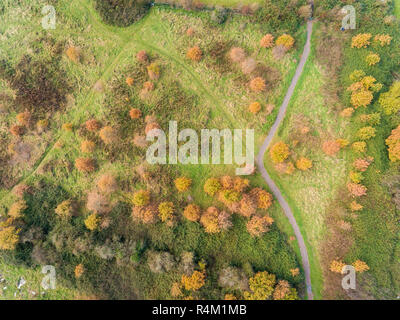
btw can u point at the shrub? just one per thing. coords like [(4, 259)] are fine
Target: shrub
[(73, 54), (247, 207), (135, 113), (9, 237), (109, 135), (366, 133), (142, 56), (65, 209), (361, 98), (356, 177), (372, 59), (303, 164), (257, 84), (361, 164), (212, 186), (357, 75), (337, 266), (383, 39), (20, 190), (263, 198), (393, 143), (92, 222), (257, 226), (360, 266), (146, 215), (17, 130), (254, 107), (330, 147), (193, 282), (285, 40), (209, 219), (182, 184), (129, 81), (279, 152), (141, 198), (107, 184), (79, 270), (390, 101), (17, 209), (85, 164), (165, 211), (237, 54), (93, 125), (97, 203), (24, 118), (267, 41), (87, 146), (192, 212), (228, 196), (347, 113), (261, 286), (359, 146), (153, 70), (194, 53), (342, 142), (227, 182), (355, 206), (361, 40), (356, 189), (372, 118), (248, 65), (240, 184)]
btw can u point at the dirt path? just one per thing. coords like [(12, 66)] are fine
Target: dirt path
[(260, 161)]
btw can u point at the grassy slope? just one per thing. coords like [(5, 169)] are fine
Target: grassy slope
[(123, 43)]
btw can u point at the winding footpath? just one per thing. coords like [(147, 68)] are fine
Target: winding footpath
[(260, 161)]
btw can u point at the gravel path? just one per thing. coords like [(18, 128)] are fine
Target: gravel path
[(260, 161)]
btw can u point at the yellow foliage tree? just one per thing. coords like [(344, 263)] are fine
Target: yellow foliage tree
[(279, 152), (303, 164), (182, 184), (261, 286), (92, 222), (193, 282)]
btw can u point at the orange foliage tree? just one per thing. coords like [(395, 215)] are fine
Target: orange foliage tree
[(393, 143), (192, 212), (257, 84), (194, 53), (195, 281), (85, 164)]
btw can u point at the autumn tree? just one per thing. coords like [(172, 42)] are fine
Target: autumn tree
[(247, 206), (372, 59), (166, 211), (285, 40), (237, 54), (393, 143), (85, 164), (254, 107), (193, 282), (79, 270), (88, 146), (336, 266), (9, 237), (360, 266), (93, 125), (303, 164), (366, 133), (330, 147), (129, 81), (263, 198), (135, 113), (227, 182), (192, 212), (257, 84), (279, 152), (267, 41), (240, 184), (141, 198), (182, 184), (24, 118), (359, 146), (194, 53), (17, 209), (107, 183), (355, 206), (17, 130), (73, 53), (390, 101), (261, 286), (281, 290), (361, 40), (356, 189), (92, 222), (142, 56), (109, 135), (248, 65), (97, 203), (383, 39), (154, 70), (65, 209), (257, 225), (212, 186)]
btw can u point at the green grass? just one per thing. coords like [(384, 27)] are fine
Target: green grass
[(397, 8)]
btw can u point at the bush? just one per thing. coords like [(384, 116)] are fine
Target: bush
[(141, 198), (257, 225), (337, 266), (359, 146), (393, 143), (165, 211), (360, 266), (88, 146), (383, 39), (303, 164), (263, 198), (330, 147), (372, 59), (109, 135), (122, 13), (361, 164), (146, 215), (209, 220), (267, 41), (17, 209), (9, 237), (390, 101), (73, 54), (107, 184), (65, 209), (257, 84), (212, 186), (237, 54), (182, 184), (93, 125), (366, 133), (279, 152), (361, 40), (285, 40), (85, 164), (92, 222), (129, 81), (261, 286), (194, 53), (193, 282), (79, 270), (192, 212), (356, 189), (247, 207)]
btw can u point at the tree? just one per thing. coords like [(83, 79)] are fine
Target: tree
[(361, 98), (279, 152), (17, 209), (337, 266), (9, 237), (361, 40), (285, 40), (247, 206), (362, 164), (356, 189), (109, 135), (356, 177), (107, 183), (228, 196), (257, 225), (366, 133), (212, 186), (267, 41), (182, 184), (192, 212), (209, 220), (372, 59), (360, 266), (263, 198), (303, 164), (237, 54), (24, 118), (73, 53), (359, 146), (142, 56), (129, 81), (17, 130), (87, 146), (355, 206), (92, 222), (254, 107), (248, 65), (141, 198), (166, 211), (227, 182), (135, 113), (257, 84), (65, 209), (347, 113), (85, 164), (97, 203), (153, 70), (194, 53), (330, 147), (240, 184), (151, 126), (393, 143), (93, 125), (383, 39), (193, 282), (281, 290), (261, 286), (145, 215), (79, 270), (390, 101)]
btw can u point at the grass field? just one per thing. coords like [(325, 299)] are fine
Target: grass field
[(195, 94)]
